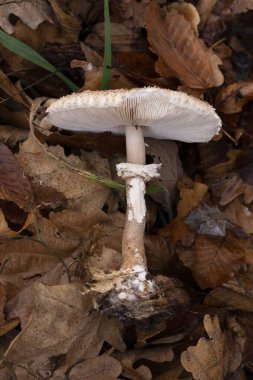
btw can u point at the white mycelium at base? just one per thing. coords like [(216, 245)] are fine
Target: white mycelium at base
[(135, 285)]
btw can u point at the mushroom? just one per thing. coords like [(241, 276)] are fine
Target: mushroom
[(137, 113)]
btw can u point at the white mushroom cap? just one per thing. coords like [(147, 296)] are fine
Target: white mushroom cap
[(164, 114)]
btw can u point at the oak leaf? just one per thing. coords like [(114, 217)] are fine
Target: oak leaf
[(174, 40), (213, 357)]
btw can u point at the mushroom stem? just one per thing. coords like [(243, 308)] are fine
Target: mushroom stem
[(135, 146)]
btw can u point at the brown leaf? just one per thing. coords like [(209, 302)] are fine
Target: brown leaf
[(236, 293), (205, 8), (14, 185), (11, 136), (217, 259), (190, 198), (48, 333), (241, 6), (81, 193), (232, 98), (157, 253), (240, 215), (100, 368), (212, 358), (10, 89), (6, 232), (173, 39)]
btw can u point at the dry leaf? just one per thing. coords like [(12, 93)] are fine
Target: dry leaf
[(212, 358), (224, 168), (12, 90), (241, 6), (240, 215), (31, 13), (14, 185), (100, 368), (205, 8), (48, 334), (158, 354), (82, 194), (6, 232), (11, 136), (190, 198), (157, 253), (232, 98), (69, 24), (165, 153), (217, 259), (236, 293), (173, 39)]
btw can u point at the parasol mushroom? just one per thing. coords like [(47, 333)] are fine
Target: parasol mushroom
[(137, 113)]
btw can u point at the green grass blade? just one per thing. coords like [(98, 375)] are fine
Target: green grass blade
[(107, 49), (26, 52)]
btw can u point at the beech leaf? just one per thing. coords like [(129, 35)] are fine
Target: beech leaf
[(174, 40)]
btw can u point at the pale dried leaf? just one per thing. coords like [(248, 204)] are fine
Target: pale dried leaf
[(217, 259), (32, 13), (211, 358), (100, 368), (173, 39)]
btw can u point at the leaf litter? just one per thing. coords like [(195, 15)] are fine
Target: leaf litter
[(59, 230)]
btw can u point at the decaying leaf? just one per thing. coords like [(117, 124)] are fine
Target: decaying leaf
[(14, 185), (217, 259), (174, 40), (102, 367), (215, 357), (241, 6), (6, 232), (232, 98)]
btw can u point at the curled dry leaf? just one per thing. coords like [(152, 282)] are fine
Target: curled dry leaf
[(174, 41), (102, 367), (232, 98), (217, 259), (212, 358), (14, 185)]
